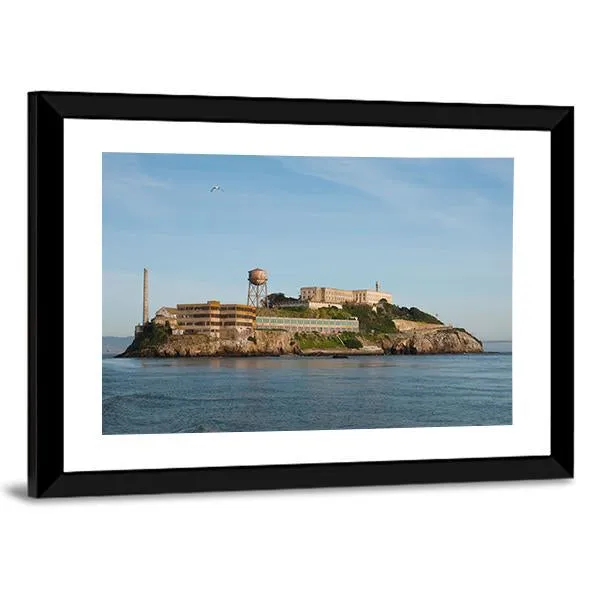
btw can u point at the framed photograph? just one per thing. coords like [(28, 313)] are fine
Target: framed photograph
[(231, 293)]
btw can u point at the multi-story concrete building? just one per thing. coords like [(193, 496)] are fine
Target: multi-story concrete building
[(209, 317), (212, 316), (325, 295), (331, 296)]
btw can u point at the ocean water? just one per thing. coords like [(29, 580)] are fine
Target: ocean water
[(184, 395)]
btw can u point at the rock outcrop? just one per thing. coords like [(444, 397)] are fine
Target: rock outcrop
[(231, 343), (440, 340)]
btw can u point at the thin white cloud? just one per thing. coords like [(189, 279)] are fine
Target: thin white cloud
[(411, 199)]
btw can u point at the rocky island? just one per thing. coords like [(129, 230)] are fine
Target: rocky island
[(156, 341), (288, 326)]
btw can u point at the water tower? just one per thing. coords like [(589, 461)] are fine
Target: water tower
[(257, 288)]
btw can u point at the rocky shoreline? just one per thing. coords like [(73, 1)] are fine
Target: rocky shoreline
[(440, 340)]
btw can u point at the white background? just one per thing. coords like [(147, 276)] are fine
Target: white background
[(85, 446), (515, 540)]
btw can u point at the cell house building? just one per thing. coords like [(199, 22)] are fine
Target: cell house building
[(325, 296)]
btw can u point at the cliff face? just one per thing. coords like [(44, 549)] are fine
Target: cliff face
[(268, 343), (233, 343), (405, 325), (443, 340)]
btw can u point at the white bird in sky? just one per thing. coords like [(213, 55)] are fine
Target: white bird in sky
[(216, 188)]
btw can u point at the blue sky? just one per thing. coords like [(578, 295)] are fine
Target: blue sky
[(437, 233)]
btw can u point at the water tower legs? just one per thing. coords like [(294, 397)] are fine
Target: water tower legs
[(257, 295)]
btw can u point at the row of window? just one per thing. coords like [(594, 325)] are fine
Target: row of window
[(300, 321), (214, 319), (189, 327), (221, 307), (214, 314), (216, 323), (316, 329)]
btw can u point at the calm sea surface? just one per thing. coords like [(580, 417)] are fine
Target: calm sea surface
[(291, 393)]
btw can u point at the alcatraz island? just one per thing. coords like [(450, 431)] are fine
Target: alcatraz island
[(321, 321)]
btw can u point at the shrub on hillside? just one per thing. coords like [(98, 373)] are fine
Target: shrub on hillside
[(351, 341)]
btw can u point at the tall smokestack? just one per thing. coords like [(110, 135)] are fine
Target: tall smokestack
[(145, 296), (377, 286)]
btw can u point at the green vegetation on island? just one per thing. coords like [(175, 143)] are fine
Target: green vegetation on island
[(319, 341), (152, 336), (378, 319)]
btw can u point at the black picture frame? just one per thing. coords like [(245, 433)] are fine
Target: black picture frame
[(47, 112)]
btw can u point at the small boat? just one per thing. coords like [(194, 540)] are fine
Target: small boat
[(340, 356)]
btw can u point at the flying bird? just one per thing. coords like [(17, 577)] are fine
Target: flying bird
[(216, 188)]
